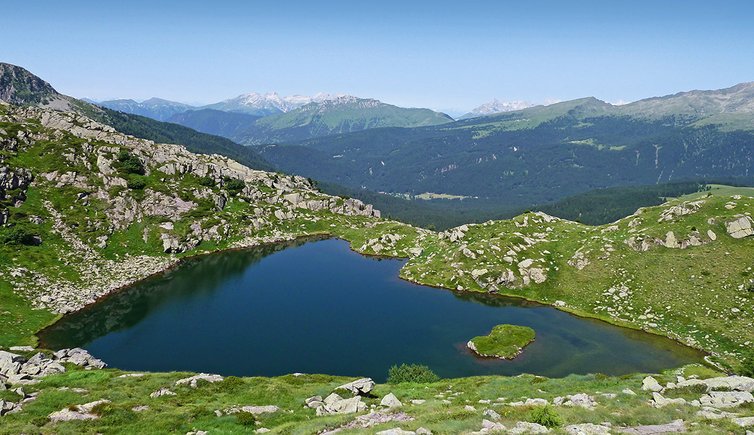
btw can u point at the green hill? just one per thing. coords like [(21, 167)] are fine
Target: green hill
[(341, 115), (216, 122)]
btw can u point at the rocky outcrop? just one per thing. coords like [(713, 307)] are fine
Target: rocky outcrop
[(17, 369), (77, 412), (730, 383), (650, 384), (677, 426), (581, 400), (726, 399), (251, 409), (193, 381), (683, 209)]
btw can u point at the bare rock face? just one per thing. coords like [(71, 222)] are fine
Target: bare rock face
[(740, 228)]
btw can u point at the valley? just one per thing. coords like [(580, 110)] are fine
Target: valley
[(88, 212)]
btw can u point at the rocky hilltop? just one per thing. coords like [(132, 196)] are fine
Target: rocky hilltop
[(19, 86), (109, 205)]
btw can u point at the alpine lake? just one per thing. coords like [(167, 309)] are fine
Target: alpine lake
[(318, 307)]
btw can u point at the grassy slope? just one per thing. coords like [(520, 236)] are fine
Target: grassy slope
[(444, 412)]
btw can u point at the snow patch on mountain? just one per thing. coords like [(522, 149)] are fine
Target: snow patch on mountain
[(497, 106), (273, 102)]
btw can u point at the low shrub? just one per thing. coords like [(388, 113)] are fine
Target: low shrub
[(246, 419), (128, 163), (207, 182), (417, 373), (19, 236), (546, 416), (233, 185), (136, 182)]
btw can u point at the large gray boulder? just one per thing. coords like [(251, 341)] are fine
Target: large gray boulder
[(359, 387), (390, 401), (740, 228), (10, 363), (650, 384)]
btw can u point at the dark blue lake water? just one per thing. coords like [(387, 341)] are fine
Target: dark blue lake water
[(318, 307)]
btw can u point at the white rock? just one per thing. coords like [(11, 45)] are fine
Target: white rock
[(391, 401), (192, 381), (162, 392), (650, 384), (659, 401)]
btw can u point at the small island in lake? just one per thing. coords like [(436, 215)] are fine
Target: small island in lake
[(504, 341)]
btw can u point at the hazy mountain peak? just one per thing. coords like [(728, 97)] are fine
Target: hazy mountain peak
[(738, 99), (497, 106), (270, 102)]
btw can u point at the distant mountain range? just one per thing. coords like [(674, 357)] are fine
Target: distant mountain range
[(543, 153), (268, 104), (254, 118), (155, 108), (520, 157)]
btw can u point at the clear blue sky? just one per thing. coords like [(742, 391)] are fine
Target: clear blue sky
[(440, 54)]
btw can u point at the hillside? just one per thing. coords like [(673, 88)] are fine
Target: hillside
[(216, 122), (540, 154), (340, 115)]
